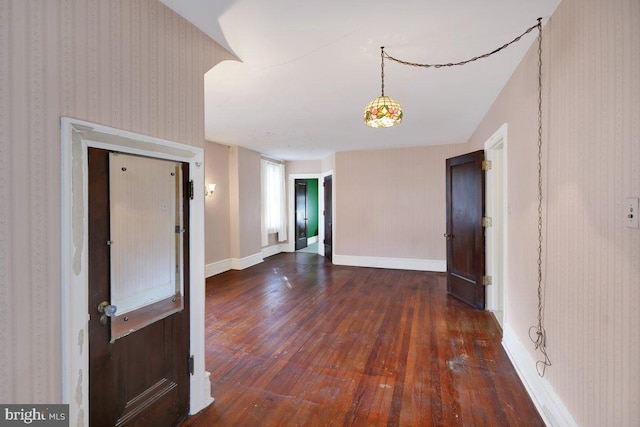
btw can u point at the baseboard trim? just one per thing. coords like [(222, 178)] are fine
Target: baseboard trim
[(312, 240), (207, 399), (393, 263), (246, 262), (233, 264), (549, 405), (274, 250), (217, 267)]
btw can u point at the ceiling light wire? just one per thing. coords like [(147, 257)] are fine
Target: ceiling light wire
[(475, 58), (537, 333), (382, 68)]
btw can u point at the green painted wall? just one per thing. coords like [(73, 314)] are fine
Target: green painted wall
[(312, 207)]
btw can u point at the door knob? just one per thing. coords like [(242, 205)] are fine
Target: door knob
[(448, 235), (107, 310)]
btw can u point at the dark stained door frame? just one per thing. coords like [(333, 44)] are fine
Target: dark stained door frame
[(301, 218), (465, 189), (328, 217), (142, 378)]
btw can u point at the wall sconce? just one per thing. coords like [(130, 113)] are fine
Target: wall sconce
[(209, 189)]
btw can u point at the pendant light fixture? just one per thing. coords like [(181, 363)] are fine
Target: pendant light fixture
[(382, 111), (385, 112)]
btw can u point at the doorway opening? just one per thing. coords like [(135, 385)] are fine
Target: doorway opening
[(306, 215), (317, 211), (496, 234)]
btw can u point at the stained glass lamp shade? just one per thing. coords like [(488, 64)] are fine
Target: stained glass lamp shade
[(383, 112)]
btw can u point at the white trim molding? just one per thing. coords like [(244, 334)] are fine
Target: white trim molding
[(272, 250), (497, 137), (246, 262), (549, 405), (496, 207), (393, 263), (76, 137), (221, 266), (217, 267), (291, 208)]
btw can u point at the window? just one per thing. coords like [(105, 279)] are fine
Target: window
[(273, 201)]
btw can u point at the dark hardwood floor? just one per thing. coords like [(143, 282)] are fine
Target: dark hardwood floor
[(297, 341)]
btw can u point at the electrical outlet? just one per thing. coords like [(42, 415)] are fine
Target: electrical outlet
[(632, 215)]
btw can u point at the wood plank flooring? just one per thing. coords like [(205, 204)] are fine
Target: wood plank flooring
[(296, 341)]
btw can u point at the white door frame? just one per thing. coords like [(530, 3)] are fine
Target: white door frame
[(496, 205), (292, 213), (77, 136), (291, 210)]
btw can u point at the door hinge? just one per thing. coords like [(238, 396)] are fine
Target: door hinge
[(486, 280), (191, 365), (486, 221), (486, 165), (191, 189)]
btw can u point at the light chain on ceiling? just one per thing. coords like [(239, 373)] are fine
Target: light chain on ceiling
[(537, 333), (475, 58)]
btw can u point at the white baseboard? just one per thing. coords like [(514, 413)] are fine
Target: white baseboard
[(246, 262), (274, 249), (217, 267), (549, 405), (312, 240), (207, 399), (393, 263), (233, 264)]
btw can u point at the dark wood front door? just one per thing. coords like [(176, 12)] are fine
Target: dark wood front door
[(328, 217), (301, 214), (141, 379), (465, 234)]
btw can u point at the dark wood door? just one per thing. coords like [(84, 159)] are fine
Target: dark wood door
[(328, 217), (141, 379), (301, 214), (465, 234)]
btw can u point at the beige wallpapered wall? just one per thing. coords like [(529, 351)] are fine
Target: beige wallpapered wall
[(391, 203), (133, 65), (217, 221), (591, 55)]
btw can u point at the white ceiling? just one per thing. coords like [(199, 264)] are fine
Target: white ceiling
[(308, 69)]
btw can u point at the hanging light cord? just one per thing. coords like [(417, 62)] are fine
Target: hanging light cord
[(475, 58), (537, 334), (382, 67)]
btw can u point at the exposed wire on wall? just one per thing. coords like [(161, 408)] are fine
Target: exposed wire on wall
[(537, 333)]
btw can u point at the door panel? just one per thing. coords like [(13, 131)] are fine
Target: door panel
[(465, 234), (141, 378), (328, 217), (301, 214)]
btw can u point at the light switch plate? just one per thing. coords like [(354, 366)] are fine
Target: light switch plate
[(632, 215)]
